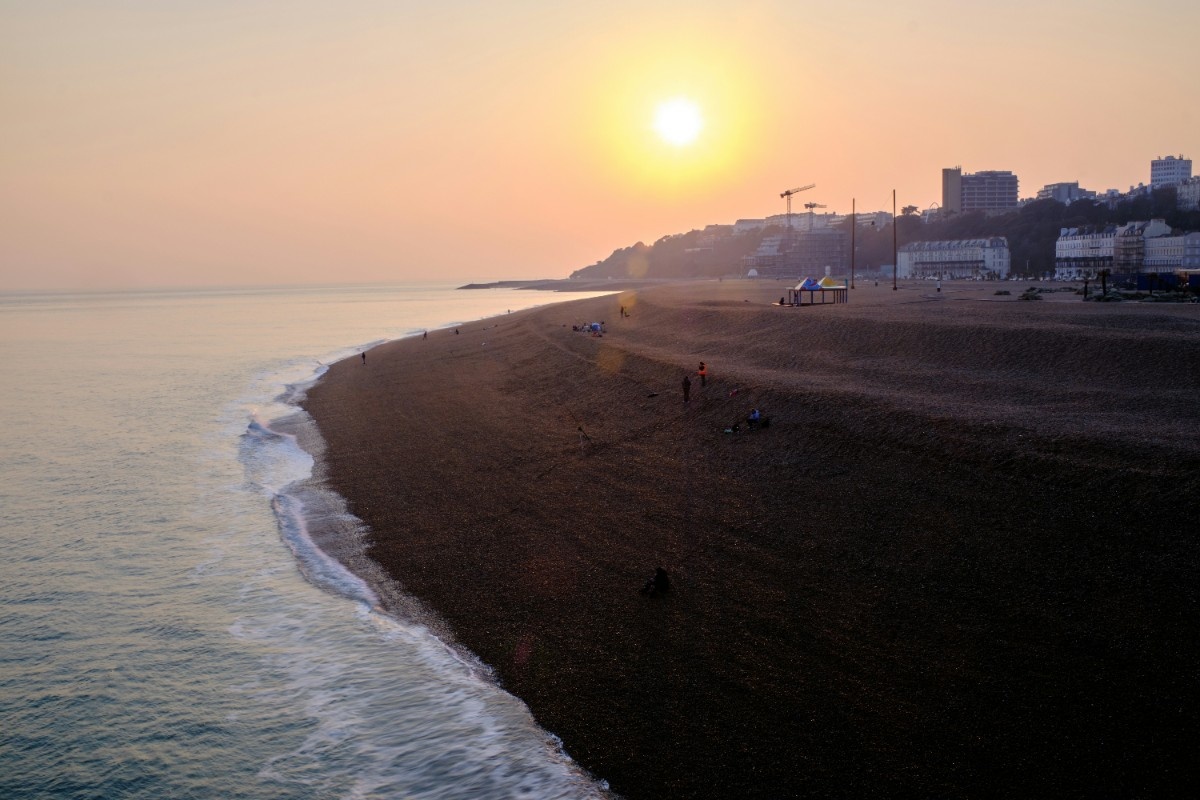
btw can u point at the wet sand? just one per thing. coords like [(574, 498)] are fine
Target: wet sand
[(961, 561)]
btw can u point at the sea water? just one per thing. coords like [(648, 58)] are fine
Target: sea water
[(170, 626)]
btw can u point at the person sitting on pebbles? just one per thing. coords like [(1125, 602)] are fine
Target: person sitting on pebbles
[(658, 584)]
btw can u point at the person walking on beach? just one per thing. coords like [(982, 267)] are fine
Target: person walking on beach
[(703, 373), (687, 388), (364, 355)]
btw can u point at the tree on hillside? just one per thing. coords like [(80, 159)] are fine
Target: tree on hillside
[(692, 254)]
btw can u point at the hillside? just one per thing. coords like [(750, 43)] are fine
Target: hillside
[(1031, 232)]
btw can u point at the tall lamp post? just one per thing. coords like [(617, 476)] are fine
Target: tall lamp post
[(894, 260), (853, 230)]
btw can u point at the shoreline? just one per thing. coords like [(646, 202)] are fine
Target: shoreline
[(929, 575)]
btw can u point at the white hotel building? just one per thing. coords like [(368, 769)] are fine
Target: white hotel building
[(956, 259), (1169, 171), (1164, 253), (1081, 252), (1135, 247)]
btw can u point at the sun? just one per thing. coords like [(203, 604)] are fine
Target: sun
[(678, 121)]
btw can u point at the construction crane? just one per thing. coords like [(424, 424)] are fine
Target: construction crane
[(810, 207), (788, 196)]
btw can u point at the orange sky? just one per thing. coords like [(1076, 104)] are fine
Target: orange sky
[(215, 143)]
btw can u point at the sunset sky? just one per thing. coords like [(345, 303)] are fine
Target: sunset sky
[(261, 142)]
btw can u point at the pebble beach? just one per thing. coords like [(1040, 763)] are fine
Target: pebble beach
[(959, 561)]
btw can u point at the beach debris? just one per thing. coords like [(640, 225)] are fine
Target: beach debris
[(659, 583), (757, 419)]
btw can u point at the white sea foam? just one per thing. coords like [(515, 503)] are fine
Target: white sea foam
[(314, 563)]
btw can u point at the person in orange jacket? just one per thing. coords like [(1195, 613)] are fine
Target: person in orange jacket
[(703, 373)]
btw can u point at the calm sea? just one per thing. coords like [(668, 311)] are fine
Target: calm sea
[(169, 627)]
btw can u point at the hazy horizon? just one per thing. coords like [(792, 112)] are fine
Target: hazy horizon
[(194, 144)]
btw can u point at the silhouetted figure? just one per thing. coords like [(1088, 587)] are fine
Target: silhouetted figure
[(425, 335), (687, 388), (364, 355), (703, 373), (658, 584), (456, 331)]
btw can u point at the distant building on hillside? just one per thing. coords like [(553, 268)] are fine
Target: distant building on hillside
[(1145, 246), (812, 252), (981, 259), (800, 254), (768, 257), (804, 221), (1163, 253), (1129, 250), (864, 219), (749, 225), (991, 191), (952, 190), (1065, 193), (1188, 194), (1191, 251), (1169, 171), (810, 221), (1082, 252)]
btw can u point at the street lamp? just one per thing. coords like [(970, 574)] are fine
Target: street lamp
[(853, 230), (895, 261)]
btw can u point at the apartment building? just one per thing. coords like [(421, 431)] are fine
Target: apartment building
[(955, 259), (1082, 252), (1169, 171), (1129, 248), (1065, 193), (990, 191)]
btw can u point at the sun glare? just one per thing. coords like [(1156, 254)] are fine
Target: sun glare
[(678, 121)]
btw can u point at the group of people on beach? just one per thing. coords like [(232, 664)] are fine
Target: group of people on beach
[(755, 419), (596, 329)]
